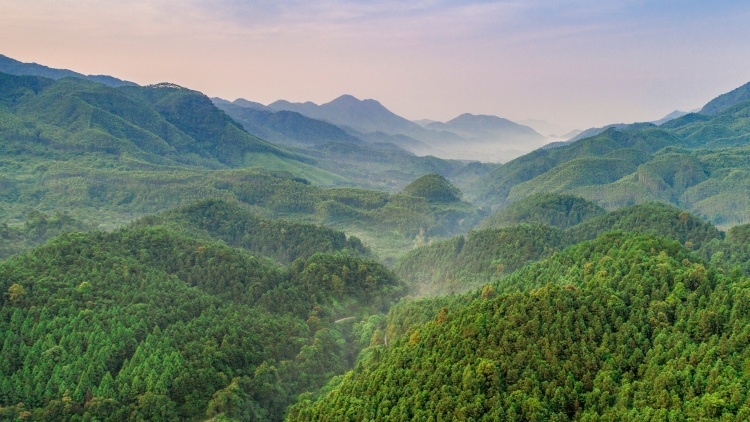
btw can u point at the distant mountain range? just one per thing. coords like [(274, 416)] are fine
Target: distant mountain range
[(485, 138)]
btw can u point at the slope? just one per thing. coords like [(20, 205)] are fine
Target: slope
[(626, 327), (561, 211), (83, 147), (148, 323), (697, 162), (487, 255), (15, 67)]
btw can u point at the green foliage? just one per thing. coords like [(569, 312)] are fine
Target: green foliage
[(654, 218), (37, 228), (626, 327), (433, 188), (155, 322), (697, 162), (728, 100), (561, 211), (463, 263), (239, 226)]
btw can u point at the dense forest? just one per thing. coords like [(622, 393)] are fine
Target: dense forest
[(147, 323), (625, 327), (166, 256)]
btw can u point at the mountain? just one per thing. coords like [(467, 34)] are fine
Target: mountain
[(110, 154), (556, 210), (467, 137), (483, 127), (697, 162), (153, 323), (653, 218), (580, 134), (727, 100), (285, 127), (487, 138), (572, 134), (15, 67), (625, 327), (594, 131), (545, 128), (671, 116), (248, 104), (488, 254), (467, 262), (159, 123), (433, 188), (375, 160), (361, 115), (370, 120)]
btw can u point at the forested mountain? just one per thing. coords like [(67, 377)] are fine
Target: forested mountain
[(286, 127), (561, 211), (105, 155), (373, 161), (365, 116), (466, 262), (165, 256), (15, 67), (468, 137), (489, 254), (626, 327), (240, 226), (698, 162), (147, 323), (730, 99)]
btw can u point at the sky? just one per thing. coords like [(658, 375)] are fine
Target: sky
[(575, 63)]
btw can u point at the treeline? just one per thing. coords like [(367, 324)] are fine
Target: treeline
[(36, 229), (240, 226), (484, 255), (148, 323), (625, 327), (118, 194)]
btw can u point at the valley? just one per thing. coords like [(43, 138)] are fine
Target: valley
[(169, 256)]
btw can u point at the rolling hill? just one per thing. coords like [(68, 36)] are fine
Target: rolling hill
[(697, 162), (625, 327)]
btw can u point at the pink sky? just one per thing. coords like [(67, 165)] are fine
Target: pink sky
[(577, 63)]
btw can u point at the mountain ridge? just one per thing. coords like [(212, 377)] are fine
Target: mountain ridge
[(14, 67)]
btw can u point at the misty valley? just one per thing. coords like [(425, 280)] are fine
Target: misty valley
[(167, 256)]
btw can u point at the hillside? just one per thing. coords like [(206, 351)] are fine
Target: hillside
[(374, 161), (15, 67), (106, 155), (286, 127), (366, 116), (561, 211), (434, 188), (637, 330), (160, 124), (167, 256), (147, 323), (727, 100), (697, 162), (464, 263), (489, 254)]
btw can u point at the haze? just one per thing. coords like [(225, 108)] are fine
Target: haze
[(576, 63)]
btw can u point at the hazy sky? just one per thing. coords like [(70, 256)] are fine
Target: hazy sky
[(578, 63)]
